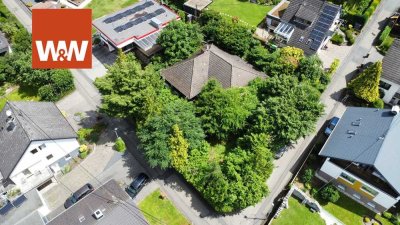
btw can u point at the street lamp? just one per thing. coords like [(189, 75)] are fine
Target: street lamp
[(115, 130)]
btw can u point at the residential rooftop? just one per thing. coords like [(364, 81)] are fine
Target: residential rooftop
[(367, 136), (190, 76), (390, 63), (198, 4), (139, 23), (114, 204), (23, 122)]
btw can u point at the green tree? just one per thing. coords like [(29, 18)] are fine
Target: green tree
[(311, 69), (179, 149), (180, 40), (308, 175), (120, 145), (155, 134), (330, 193), (224, 111), (366, 85), (130, 91)]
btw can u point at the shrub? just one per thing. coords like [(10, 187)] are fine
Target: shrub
[(307, 186), (367, 219), (375, 223), (47, 93), (387, 215), (330, 193), (332, 69), (349, 36), (83, 155), (384, 47), (66, 169), (120, 145), (83, 148), (337, 39), (370, 10), (90, 135), (307, 176), (385, 33), (378, 104), (314, 192)]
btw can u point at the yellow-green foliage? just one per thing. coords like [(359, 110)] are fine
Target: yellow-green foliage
[(366, 85), (332, 69), (292, 55), (179, 149), (83, 148)]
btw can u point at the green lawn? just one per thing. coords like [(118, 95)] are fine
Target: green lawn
[(244, 10), (298, 214), (20, 94), (104, 7), (163, 209), (351, 212)]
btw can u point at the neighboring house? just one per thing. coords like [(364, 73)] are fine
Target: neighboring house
[(190, 76), (135, 26), (305, 24), (275, 14), (107, 205), (4, 45), (46, 5), (195, 7), (36, 141), (363, 157), (390, 78)]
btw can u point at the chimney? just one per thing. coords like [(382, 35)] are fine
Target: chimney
[(395, 110), (98, 214)]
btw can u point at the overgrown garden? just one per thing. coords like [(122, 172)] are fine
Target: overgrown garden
[(222, 142)]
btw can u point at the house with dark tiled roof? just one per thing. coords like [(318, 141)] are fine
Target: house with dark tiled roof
[(107, 205), (362, 157), (190, 76), (305, 24), (390, 78), (36, 141)]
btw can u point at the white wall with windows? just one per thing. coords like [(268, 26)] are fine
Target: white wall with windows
[(35, 166), (380, 198), (389, 88)]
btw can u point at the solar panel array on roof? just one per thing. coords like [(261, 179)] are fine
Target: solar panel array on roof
[(325, 21), (128, 12), (139, 20)]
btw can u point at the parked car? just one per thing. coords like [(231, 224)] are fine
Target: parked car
[(332, 124), (137, 184), (78, 195), (281, 151)]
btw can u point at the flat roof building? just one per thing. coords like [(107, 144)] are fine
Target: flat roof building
[(137, 25)]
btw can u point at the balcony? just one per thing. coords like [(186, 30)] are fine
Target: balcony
[(35, 180)]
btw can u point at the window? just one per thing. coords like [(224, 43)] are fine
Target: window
[(42, 146), (347, 178), (49, 157), (34, 151), (341, 187), (357, 196), (371, 204), (369, 190), (27, 172), (68, 157), (384, 85)]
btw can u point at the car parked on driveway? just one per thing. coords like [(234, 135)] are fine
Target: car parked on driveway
[(78, 195), (332, 124), (137, 185)]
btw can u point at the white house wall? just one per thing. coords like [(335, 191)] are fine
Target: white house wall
[(334, 171), (38, 161), (391, 92)]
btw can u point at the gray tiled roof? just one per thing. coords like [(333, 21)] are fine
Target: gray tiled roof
[(390, 66), (33, 121), (115, 204), (374, 142), (190, 76), (309, 10)]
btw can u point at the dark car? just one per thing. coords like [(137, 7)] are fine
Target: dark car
[(78, 195), (332, 124), (137, 184), (281, 151)]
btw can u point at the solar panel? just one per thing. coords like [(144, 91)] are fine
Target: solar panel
[(325, 21), (139, 20), (128, 12)]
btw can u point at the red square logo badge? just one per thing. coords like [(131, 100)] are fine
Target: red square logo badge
[(62, 38)]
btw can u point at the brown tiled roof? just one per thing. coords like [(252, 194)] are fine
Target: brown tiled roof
[(190, 76), (390, 66)]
